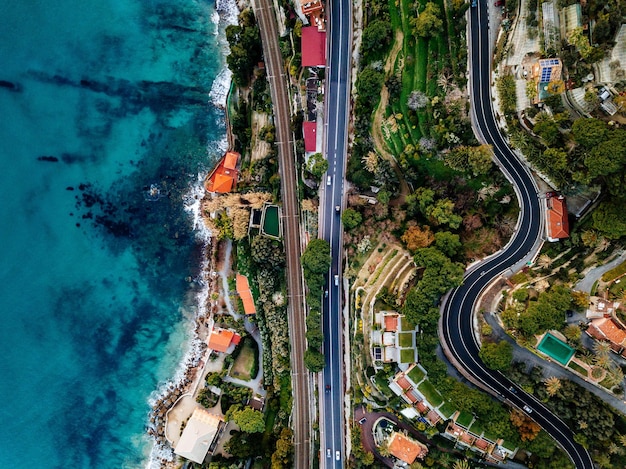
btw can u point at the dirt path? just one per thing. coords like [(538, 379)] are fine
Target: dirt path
[(377, 135)]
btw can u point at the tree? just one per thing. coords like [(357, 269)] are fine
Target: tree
[(442, 213), (547, 129), (578, 39), (351, 218), (267, 252), (415, 237), (555, 158), (580, 298), (572, 333), (497, 356), (314, 360), (317, 165), (553, 384), (316, 256), (369, 84), (589, 132), (428, 23), (448, 243), (249, 420), (527, 428), (375, 39), (461, 464), (610, 218)]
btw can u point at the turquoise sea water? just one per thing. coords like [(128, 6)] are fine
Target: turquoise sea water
[(95, 297)]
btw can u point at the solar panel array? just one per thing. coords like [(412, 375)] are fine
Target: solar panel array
[(546, 68)]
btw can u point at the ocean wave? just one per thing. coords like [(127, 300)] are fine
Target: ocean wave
[(228, 11), (220, 87), (192, 202)]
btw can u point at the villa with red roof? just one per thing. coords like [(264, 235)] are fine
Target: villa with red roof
[(220, 340), (406, 449), (313, 47), (223, 178), (557, 224), (609, 330)]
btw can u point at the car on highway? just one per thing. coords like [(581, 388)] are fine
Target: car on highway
[(499, 3), (513, 390), (337, 455), (362, 421), (328, 181), (528, 409), (474, 3), (337, 208), (327, 388), (328, 452), (336, 280)]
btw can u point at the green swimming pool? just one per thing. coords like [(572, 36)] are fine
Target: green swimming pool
[(271, 223), (555, 349)]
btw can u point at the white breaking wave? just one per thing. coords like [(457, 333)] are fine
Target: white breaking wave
[(192, 202), (228, 11), (220, 87)]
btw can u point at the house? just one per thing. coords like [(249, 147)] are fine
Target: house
[(391, 341), (557, 224), (608, 329), (220, 340), (600, 308), (406, 449), (544, 72), (314, 11), (243, 290), (309, 129), (198, 436), (224, 176), (570, 19), (313, 47)]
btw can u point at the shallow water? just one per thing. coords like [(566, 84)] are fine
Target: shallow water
[(95, 295)]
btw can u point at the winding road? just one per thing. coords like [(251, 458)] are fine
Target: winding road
[(456, 323)]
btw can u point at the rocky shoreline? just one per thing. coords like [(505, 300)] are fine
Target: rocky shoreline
[(162, 454)]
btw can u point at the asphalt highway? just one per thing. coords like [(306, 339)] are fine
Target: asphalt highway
[(458, 337), (337, 106)]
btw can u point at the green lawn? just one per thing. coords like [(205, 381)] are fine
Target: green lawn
[(477, 428), (416, 374), (383, 385), (407, 355), (430, 393), (464, 419), (490, 436), (576, 367), (447, 410), (245, 362), (405, 339)]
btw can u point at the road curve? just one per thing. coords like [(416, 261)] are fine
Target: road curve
[(457, 335), (300, 417)]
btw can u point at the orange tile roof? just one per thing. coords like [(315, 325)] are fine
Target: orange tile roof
[(404, 383), (421, 406), (467, 438), (404, 448), (220, 339), (222, 183), (481, 444), (558, 226), (243, 289), (412, 397), (230, 160), (610, 330), (391, 322)]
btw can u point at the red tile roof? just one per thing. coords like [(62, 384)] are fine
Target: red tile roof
[(403, 383), (433, 417), (481, 444), (610, 330), (391, 322), (313, 47), (243, 289), (403, 448), (230, 160), (421, 407), (220, 339), (558, 226), (310, 135)]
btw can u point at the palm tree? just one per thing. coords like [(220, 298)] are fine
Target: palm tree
[(463, 464), (622, 440), (614, 448), (553, 385), (614, 376), (602, 360), (602, 348), (544, 261), (444, 460)]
